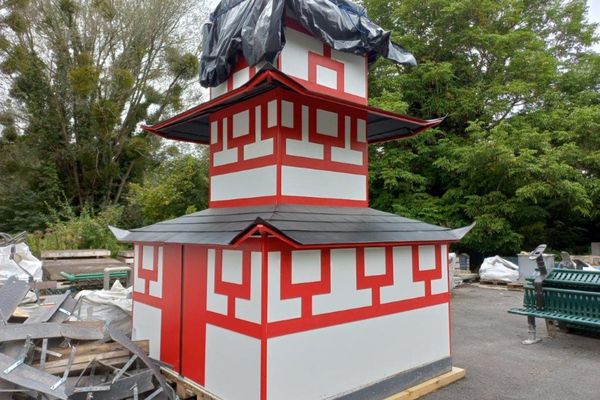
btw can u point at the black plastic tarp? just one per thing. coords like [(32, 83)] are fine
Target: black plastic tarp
[(254, 29)]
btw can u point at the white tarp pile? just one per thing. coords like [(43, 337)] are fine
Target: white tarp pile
[(111, 306), (23, 265), (498, 269)]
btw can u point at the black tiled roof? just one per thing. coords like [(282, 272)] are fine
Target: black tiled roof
[(305, 225)]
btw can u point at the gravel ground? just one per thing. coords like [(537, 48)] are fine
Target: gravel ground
[(487, 343)]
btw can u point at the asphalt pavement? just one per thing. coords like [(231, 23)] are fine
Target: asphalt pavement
[(487, 343)]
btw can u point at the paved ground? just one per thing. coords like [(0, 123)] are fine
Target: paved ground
[(487, 343)]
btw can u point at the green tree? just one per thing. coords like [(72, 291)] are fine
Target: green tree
[(177, 186), (81, 76), (519, 150)]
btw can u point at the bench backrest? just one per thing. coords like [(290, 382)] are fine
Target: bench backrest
[(65, 254), (572, 302)]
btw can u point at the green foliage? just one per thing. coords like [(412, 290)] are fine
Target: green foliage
[(178, 186), (519, 150), (82, 75), (86, 230)]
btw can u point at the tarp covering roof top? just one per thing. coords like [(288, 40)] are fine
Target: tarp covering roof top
[(302, 225), (193, 125), (254, 29)]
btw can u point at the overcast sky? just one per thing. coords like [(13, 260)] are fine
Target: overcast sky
[(594, 15)]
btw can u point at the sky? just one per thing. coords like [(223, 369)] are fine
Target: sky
[(594, 16)]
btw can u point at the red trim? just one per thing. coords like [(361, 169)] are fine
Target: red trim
[(171, 321), (317, 201), (193, 347), (147, 299), (232, 290), (264, 276), (294, 85), (305, 290), (374, 282), (149, 274)]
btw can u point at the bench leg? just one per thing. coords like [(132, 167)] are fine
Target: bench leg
[(532, 339)]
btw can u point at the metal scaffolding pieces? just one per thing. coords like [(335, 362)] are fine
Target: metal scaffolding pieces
[(45, 351)]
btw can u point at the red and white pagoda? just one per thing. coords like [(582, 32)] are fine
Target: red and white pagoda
[(289, 286)]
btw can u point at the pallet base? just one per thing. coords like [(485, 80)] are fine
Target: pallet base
[(186, 388), (430, 386)]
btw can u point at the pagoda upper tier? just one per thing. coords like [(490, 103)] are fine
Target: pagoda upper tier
[(293, 132)]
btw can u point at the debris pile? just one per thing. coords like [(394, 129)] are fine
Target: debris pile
[(45, 349)]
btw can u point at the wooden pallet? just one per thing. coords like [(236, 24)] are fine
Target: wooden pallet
[(508, 285), (186, 388), (430, 386)]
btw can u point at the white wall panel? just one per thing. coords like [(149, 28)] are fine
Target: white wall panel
[(232, 364), (327, 123), (243, 184), (344, 357), (374, 261), (344, 295), (297, 181), (294, 56), (258, 149), (272, 113), (241, 123), (441, 285), (147, 325), (326, 77), (426, 257), (232, 266), (306, 266), (249, 310), (240, 77), (155, 287), (287, 114), (279, 309), (214, 302), (354, 72), (139, 284), (403, 287)]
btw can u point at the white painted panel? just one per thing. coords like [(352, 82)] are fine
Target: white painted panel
[(347, 132), (306, 266), (249, 183), (305, 126), (249, 310), (354, 72), (344, 357), (214, 302), (272, 113), (294, 56), (232, 364), (155, 287), (232, 266), (374, 261), (403, 287), (148, 258), (361, 126), (426, 258), (241, 123), (147, 326), (214, 132), (347, 156), (301, 148), (278, 309), (218, 90), (139, 284), (326, 77), (258, 123), (327, 123), (287, 114), (225, 157), (441, 285), (324, 184), (343, 295), (240, 77), (258, 149)]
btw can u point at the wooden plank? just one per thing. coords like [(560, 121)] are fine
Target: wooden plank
[(53, 268), (186, 388), (96, 347), (430, 386), (126, 253), (56, 254)]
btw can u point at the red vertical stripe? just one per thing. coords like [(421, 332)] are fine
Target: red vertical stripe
[(170, 338), (263, 316), (193, 351)]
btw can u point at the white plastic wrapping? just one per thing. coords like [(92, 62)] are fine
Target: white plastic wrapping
[(112, 306), (498, 269), (22, 258)]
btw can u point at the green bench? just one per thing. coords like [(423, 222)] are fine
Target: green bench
[(571, 297)]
